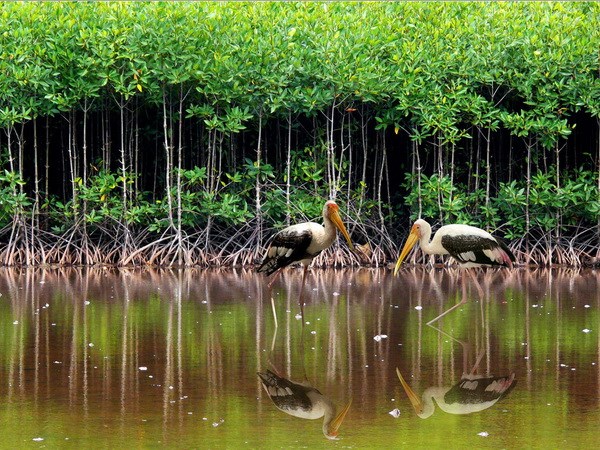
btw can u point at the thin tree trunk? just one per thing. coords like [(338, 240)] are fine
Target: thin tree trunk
[(288, 205), (488, 171), (72, 173), (419, 190), (36, 175), (122, 152), (527, 192), (168, 160), (47, 165), (179, 167), (331, 176), (258, 186), (363, 177), (380, 182)]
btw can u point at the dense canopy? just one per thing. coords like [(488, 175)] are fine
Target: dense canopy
[(186, 132)]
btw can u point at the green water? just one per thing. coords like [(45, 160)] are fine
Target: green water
[(146, 359)]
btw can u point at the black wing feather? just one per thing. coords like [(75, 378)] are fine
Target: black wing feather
[(458, 245), (473, 391), (280, 245), (294, 401)]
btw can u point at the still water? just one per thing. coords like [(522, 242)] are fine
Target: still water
[(99, 358)]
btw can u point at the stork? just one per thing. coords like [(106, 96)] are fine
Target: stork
[(469, 246), (302, 243), (303, 401)]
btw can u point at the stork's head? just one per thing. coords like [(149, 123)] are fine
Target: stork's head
[(330, 429), (332, 211), (418, 230)]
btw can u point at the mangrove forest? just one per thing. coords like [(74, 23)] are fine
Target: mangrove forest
[(186, 134)]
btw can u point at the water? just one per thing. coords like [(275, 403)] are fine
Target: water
[(141, 358)]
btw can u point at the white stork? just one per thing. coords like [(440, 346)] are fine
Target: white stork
[(303, 401), (472, 394), (469, 246)]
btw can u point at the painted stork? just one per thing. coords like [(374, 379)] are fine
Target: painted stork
[(472, 394), (303, 401), (302, 243), (469, 246)]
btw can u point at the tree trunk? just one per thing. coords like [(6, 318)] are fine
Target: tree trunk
[(288, 205), (257, 185)]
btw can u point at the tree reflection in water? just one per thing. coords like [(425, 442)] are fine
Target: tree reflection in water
[(137, 357)]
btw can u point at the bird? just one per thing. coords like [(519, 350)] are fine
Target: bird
[(302, 242), (468, 245), (303, 401), (472, 394)]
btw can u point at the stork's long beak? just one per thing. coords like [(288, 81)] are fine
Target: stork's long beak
[(335, 423), (415, 400), (337, 221), (412, 239)]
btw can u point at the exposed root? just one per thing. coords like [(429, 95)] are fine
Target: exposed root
[(114, 244)]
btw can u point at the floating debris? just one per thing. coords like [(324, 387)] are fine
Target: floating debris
[(335, 294), (298, 317), (87, 302), (483, 434), (395, 413), (418, 308), (142, 368), (16, 322), (216, 424), (91, 344), (586, 330), (379, 337), (38, 439)]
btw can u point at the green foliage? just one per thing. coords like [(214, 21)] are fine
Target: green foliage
[(441, 72), (574, 202), (12, 201)]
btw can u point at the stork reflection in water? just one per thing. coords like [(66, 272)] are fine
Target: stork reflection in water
[(304, 401), (472, 394)]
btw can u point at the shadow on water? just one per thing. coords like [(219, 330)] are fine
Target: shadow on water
[(146, 357)]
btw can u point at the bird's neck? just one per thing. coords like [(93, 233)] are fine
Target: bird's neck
[(328, 413), (429, 395), (424, 242), (329, 228)]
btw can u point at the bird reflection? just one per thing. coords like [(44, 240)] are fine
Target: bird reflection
[(303, 401), (472, 394)]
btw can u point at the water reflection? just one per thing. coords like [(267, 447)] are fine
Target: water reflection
[(147, 358), (304, 401), (473, 393)]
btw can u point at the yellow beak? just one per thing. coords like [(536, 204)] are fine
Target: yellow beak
[(335, 423), (412, 239), (416, 402), (337, 221)]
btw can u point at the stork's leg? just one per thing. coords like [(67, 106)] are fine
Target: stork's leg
[(477, 361), (463, 301), (466, 347), (277, 273), (471, 273), (301, 297), (274, 311)]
